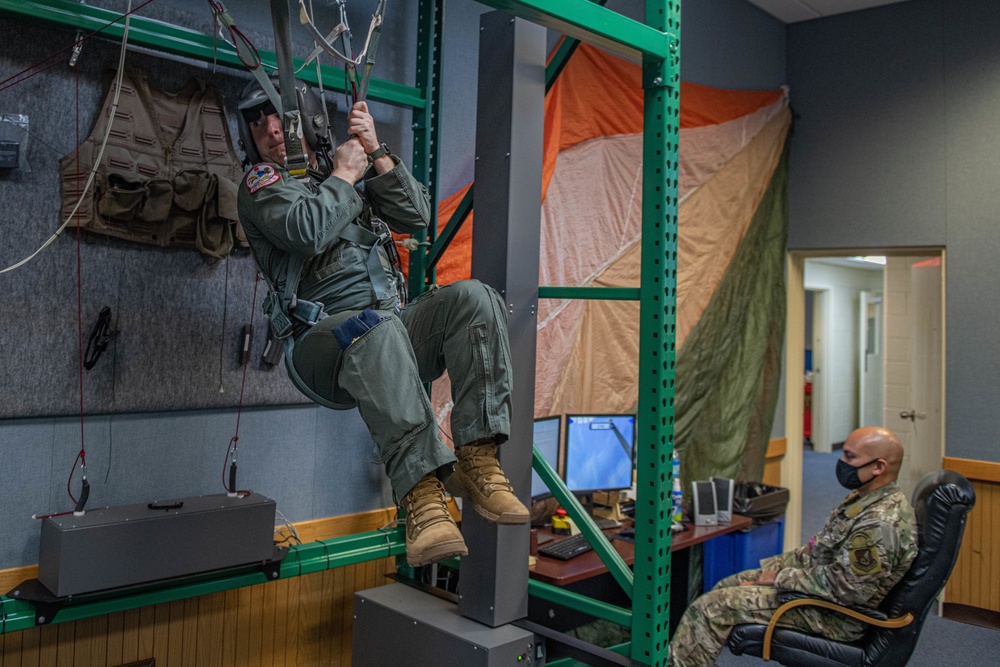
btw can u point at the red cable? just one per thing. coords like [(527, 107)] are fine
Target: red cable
[(82, 456), (3, 83)]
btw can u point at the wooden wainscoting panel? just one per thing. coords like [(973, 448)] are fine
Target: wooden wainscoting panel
[(305, 620), (772, 461), (982, 471), (977, 570)]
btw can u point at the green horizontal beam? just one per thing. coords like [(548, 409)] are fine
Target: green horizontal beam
[(589, 22), (567, 598), (593, 293), (621, 649), (341, 551), (302, 559), (179, 41)]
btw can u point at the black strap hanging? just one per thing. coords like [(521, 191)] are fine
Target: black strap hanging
[(100, 336)]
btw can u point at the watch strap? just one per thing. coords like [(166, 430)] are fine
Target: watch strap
[(378, 152)]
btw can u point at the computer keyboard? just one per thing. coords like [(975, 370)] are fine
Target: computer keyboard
[(566, 548)]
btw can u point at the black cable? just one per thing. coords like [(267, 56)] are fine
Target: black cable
[(84, 495)]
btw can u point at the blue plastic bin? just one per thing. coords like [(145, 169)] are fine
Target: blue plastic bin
[(735, 552)]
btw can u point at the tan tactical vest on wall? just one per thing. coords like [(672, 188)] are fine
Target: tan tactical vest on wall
[(169, 174)]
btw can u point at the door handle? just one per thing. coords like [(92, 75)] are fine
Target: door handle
[(912, 415)]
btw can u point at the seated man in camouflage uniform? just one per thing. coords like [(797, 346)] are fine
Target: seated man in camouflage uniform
[(865, 548), (371, 350)]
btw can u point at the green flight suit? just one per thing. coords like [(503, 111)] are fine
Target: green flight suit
[(866, 546), (461, 328)]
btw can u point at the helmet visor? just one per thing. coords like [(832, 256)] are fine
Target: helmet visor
[(253, 113)]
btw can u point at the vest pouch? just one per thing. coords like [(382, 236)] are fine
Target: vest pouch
[(156, 210), (122, 199), (190, 188), (228, 192)]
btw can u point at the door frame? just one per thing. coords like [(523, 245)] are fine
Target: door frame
[(791, 464), (820, 385)]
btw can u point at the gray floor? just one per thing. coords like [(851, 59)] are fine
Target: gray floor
[(942, 642)]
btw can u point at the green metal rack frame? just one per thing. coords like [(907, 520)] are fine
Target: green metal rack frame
[(179, 41), (657, 45)]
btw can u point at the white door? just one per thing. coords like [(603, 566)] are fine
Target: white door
[(821, 439), (914, 393), (870, 347)]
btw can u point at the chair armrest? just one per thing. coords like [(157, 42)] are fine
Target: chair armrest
[(874, 614), (863, 614)]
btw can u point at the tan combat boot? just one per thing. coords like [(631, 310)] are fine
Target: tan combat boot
[(431, 533), (479, 479)]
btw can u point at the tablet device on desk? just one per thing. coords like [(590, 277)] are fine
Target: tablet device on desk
[(626, 535), (545, 537)]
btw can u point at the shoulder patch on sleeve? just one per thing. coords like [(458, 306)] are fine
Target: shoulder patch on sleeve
[(261, 176), (863, 553)]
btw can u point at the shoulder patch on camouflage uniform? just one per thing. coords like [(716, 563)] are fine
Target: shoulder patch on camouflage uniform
[(261, 176), (851, 511), (863, 554)]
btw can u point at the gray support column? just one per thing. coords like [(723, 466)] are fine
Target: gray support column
[(505, 240)]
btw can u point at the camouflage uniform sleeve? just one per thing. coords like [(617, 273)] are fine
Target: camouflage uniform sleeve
[(295, 218), (796, 558), (858, 572), (399, 199)]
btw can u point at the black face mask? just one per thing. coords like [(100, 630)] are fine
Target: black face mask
[(847, 474)]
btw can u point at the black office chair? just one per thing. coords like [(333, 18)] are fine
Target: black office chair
[(941, 501)]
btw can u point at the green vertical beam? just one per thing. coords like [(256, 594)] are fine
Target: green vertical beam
[(658, 299), (427, 132)]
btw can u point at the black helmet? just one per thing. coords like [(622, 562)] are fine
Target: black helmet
[(315, 124)]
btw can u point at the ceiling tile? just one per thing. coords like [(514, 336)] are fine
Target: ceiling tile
[(792, 11)]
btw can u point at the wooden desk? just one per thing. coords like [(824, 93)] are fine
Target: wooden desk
[(565, 572), (586, 574)]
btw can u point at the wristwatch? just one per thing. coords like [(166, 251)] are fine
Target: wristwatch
[(378, 152)]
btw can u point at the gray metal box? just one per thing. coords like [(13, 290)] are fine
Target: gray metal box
[(399, 625), (111, 547)]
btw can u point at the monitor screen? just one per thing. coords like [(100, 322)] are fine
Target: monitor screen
[(546, 439), (599, 452)]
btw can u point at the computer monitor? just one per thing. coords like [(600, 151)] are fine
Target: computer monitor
[(546, 438), (599, 452)]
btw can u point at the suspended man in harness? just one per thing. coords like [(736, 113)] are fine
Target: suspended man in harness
[(323, 244)]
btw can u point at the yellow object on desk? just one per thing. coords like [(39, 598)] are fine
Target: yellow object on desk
[(561, 524)]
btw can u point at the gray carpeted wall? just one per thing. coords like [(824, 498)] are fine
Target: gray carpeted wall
[(180, 317)]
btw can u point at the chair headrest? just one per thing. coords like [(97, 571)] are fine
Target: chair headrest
[(941, 502), (936, 494)]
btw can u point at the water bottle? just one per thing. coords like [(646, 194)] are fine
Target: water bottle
[(677, 465), (677, 496)]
